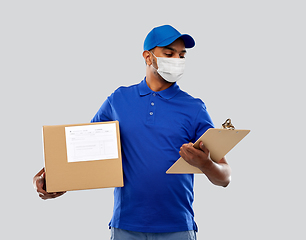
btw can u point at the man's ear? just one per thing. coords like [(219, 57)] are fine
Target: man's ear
[(147, 57)]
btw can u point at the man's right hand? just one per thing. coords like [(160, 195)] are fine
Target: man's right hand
[(39, 183)]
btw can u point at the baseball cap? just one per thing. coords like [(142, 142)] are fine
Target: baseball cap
[(163, 36)]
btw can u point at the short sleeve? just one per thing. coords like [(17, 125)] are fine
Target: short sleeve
[(202, 122), (105, 112)]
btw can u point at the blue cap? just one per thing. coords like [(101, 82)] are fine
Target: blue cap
[(163, 36)]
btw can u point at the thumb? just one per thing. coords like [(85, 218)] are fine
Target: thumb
[(203, 148), (40, 181)]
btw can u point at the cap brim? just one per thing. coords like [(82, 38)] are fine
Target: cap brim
[(188, 41)]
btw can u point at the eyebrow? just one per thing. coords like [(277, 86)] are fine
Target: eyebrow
[(174, 50)]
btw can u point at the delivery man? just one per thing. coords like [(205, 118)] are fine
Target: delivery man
[(158, 121)]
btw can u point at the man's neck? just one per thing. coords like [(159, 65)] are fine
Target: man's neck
[(156, 83)]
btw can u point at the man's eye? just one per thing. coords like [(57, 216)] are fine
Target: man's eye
[(168, 54)]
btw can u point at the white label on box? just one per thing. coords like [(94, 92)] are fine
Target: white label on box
[(91, 142)]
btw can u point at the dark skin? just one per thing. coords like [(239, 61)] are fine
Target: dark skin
[(39, 183), (218, 173)]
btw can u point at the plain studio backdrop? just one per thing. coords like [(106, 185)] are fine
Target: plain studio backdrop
[(59, 60)]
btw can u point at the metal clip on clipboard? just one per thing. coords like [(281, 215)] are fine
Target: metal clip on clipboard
[(228, 124)]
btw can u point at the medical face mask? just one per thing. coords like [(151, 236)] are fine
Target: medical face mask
[(170, 69)]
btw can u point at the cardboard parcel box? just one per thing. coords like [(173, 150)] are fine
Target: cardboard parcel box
[(82, 156)]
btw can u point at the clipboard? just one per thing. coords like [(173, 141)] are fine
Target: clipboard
[(65, 175), (219, 141)]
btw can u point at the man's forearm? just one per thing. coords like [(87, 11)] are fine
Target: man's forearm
[(218, 173)]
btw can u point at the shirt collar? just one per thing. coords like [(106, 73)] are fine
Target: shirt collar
[(167, 93)]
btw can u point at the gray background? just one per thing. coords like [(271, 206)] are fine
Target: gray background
[(59, 60)]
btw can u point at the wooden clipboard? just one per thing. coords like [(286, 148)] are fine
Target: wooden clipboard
[(218, 141)]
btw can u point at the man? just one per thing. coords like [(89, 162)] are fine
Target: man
[(158, 122)]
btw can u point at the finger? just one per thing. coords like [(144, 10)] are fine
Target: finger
[(47, 195), (40, 185), (188, 147), (60, 194), (40, 181), (44, 196), (203, 148), (183, 152), (185, 149), (192, 150), (188, 152)]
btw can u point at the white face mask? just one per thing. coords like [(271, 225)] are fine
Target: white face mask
[(170, 69)]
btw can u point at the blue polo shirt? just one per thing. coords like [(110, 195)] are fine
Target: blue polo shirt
[(153, 127)]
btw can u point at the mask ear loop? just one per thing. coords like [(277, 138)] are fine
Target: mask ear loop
[(153, 61)]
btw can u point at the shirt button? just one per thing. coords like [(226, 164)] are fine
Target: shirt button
[(151, 113), (154, 94), (152, 103)]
